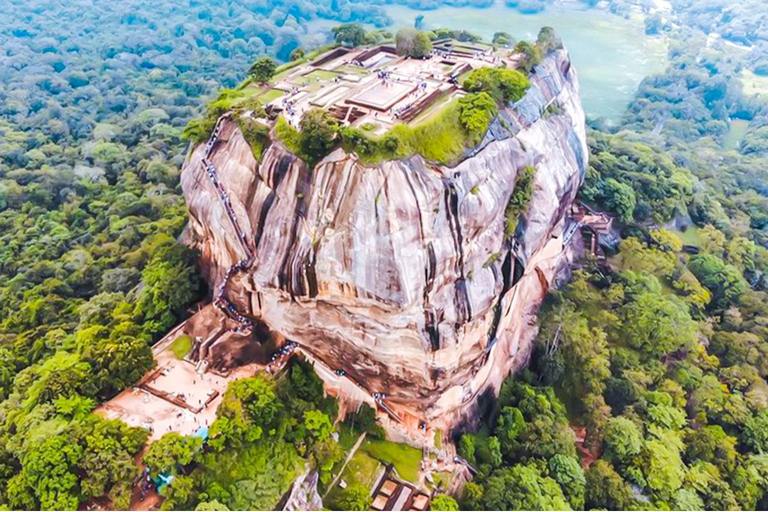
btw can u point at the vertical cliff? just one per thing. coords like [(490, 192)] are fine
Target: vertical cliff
[(399, 274)]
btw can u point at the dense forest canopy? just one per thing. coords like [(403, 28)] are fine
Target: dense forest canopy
[(660, 355)]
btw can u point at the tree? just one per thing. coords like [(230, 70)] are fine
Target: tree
[(623, 440), (350, 34), (171, 451), (756, 432), (318, 134), (713, 445), (522, 487), (568, 473), (662, 466), (297, 54), (443, 502), (119, 358), (171, 284), (48, 479), (409, 42), (503, 39), (466, 447), (723, 280), (529, 55), (318, 424), (619, 198), (178, 493), (211, 506), (548, 41), (606, 489), (355, 497), (107, 467), (508, 427), (504, 85), (263, 69), (472, 496), (364, 420), (657, 323), (476, 111), (249, 409)]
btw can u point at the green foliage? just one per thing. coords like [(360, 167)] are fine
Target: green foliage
[(547, 41), (756, 432), (504, 85), (606, 489), (723, 280), (364, 420), (355, 497), (520, 198), (529, 55), (255, 133), (567, 472), (250, 407), (476, 111), (172, 452), (443, 138), (266, 432), (623, 440), (443, 502), (349, 34), (503, 39), (92, 458), (522, 487), (263, 69), (656, 323), (252, 478), (170, 285), (617, 164), (318, 134), (410, 42)]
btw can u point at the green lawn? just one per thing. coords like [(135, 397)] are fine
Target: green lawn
[(321, 74), (271, 95), (362, 469), (736, 133), (181, 346), (347, 436), (432, 109), (405, 459), (754, 84), (690, 236)]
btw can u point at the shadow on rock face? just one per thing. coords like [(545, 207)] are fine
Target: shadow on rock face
[(234, 350)]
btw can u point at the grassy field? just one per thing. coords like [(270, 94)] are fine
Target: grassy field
[(754, 84), (405, 459), (181, 346), (321, 74), (362, 469), (270, 95), (690, 236), (735, 135)]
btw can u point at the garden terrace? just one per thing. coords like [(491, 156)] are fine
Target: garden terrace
[(374, 88)]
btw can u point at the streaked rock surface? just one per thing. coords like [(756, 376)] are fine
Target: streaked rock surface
[(399, 273)]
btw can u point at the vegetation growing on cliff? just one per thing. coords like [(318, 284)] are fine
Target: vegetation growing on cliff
[(504, 85), (519, 199)]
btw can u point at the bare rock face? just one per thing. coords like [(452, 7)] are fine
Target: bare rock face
[(400, 274)]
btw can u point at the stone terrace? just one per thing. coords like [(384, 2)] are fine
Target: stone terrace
[(374, 87)]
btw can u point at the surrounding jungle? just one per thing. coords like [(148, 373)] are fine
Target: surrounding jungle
[(647, 388)]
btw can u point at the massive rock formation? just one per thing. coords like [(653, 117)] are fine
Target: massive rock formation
[(400, 274)]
